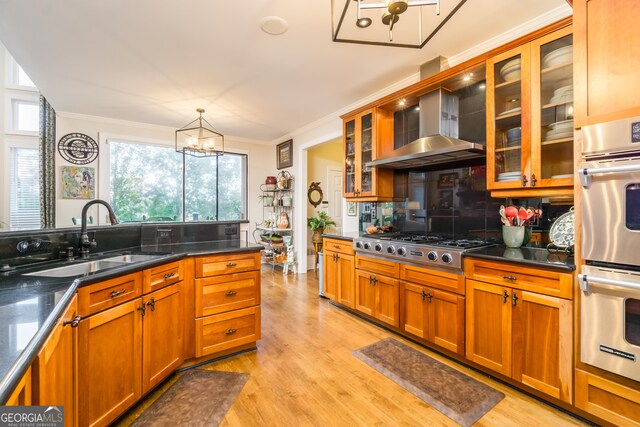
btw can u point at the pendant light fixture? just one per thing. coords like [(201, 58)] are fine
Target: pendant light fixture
[(199, 138), (421, 20)]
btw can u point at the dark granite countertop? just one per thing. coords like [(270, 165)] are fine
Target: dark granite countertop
[(536, 257), (342, 236), (30, 306)]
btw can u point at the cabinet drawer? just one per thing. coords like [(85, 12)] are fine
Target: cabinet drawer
[(100, 296), (161, 276), (227, 330), (518, 276), (606, 399), (341, 246), (372, 265), (229, 292), (435, 279), (215, 265)]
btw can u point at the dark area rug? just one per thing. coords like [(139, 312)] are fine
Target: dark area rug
[(198, 398), (458, 396)]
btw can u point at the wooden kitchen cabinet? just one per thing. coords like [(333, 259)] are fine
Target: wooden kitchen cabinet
[(434, 315), (367, 135), (55, 369), (529, 117), (162, 332), (21, 395), (523, 335), (609, 400), (109, 363), (607, 60), (378, 296), (339, 265)]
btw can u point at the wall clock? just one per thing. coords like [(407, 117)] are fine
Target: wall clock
[(78, 148)]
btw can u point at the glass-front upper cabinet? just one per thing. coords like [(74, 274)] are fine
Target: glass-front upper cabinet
[(366, 149), (552, 102), (508, 127), (530, 115), (349, 156)]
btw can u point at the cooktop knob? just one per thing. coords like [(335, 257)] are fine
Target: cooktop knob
[(378, 247), (359, 245), (367, 245), (391, 249), (446, 258), (402, 251), (432, 256)]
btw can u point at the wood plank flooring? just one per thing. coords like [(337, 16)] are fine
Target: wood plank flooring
[(304, 374)]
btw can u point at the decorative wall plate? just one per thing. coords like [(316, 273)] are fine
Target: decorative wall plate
[(562, 232), (78, 148)]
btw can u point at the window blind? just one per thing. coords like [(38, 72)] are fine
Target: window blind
[(25, 189)]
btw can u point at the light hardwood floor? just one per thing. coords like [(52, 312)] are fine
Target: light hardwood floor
[(304, 373)]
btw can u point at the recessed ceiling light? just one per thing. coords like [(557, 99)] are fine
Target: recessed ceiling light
[(274, 25), (402, 102)]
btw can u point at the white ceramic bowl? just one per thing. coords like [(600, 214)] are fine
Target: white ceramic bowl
[(511, 70), (559, 56), (562, 125)]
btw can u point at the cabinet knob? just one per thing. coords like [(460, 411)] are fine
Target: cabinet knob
[(230, 331), (230, 293), (115, 294), (231, 264), (73, 322)]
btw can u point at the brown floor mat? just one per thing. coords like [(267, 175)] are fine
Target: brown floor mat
[(458, 396), (198, 398)]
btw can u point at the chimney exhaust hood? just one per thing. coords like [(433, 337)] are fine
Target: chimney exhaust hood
[(438, 142)]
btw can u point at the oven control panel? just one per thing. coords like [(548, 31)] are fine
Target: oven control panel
[(426, 255)]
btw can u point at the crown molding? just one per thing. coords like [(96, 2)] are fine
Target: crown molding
[(148, 126), (527, 27)]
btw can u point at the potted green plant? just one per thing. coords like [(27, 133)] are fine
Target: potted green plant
[(318, 223)]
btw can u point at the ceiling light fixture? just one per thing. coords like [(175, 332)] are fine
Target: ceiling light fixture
[(421, 21), (199, 138)]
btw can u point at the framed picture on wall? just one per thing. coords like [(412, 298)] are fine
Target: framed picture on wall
[(351, 208), (284, 153), (78, 182), (447, 180)]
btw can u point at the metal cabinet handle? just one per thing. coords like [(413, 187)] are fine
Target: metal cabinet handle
[(142, 309), (231, 264), (230, 331), (375, 281), (533, 180), (505, 296), (168, 276), (230, 293), (73, 322), (429, 296), (423, 295), (510, 277), (152, 304), (114, 294), (336, 246), (524, 180), (514, 299)]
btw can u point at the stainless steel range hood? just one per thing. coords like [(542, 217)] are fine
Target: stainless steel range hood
[(439, 120), (438, 142)]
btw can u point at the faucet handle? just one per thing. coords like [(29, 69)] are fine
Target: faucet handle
[(70, 253)]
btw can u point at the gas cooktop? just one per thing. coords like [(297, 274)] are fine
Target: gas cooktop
[(433, 250)]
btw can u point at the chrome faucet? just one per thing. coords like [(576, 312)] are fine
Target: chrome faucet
[(85, 244)]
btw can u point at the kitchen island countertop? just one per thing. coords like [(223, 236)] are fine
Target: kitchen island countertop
[(349, 236), (30, 306)]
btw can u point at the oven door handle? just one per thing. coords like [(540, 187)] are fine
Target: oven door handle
[(584, 280), (587, 173)]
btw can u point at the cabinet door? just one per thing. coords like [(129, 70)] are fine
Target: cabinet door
[(109, 363), (365, 293), (607, 61), (55, 368), (349, 152), (366, 137), (414, 309), (508, 114), (346, 283), (446, 320), (489, 326), (162, 335), (331, 275), (387, 296), (21, 395), (543, 343), (552, 110)]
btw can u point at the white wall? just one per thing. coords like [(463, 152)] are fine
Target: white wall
[(261, 161)]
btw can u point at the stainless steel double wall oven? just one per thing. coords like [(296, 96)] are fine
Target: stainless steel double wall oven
[(610, 282)]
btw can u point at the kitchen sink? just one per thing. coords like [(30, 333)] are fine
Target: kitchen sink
[(77, 269), (131, 258)]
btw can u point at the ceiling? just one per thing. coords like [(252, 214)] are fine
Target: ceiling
[(157, 61)]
